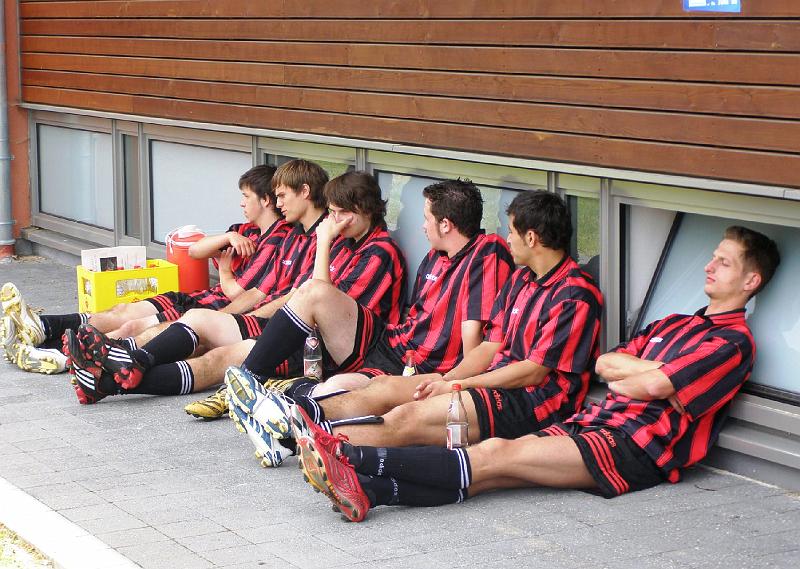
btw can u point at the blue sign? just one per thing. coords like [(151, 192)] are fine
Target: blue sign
[(712, 5)]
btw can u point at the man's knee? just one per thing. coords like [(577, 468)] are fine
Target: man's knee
[(314, 291)]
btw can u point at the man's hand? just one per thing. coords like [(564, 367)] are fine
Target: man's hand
[(225, 259), (430, 385), (677, 405), (328, 229), (243, 246)]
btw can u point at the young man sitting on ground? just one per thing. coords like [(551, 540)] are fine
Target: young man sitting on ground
[(670, 388), (245, 253)]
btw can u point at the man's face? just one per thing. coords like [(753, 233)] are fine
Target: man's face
[(726, 275), (356, 224), (252, 206), (516, 243), (431, 226), (292, 205)]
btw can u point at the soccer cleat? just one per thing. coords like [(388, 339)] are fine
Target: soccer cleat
[(87, 377), (212, 407), (335, 477), (29, 326), (269, 451), (8, 338), (269, 408), (40, 360), (113, 356), (279, 384)]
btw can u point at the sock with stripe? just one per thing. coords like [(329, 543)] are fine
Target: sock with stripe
[(56, 324), (284, 334), (167, 379), (175, 343), (392, 492), (429, 466)]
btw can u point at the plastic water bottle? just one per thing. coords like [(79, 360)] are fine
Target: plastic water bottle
[(457, 426), (411, 366), (312, 357)]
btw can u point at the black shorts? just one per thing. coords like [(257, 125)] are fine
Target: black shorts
[(372, 355), (616, 463), (250, 327), (506, 413), (172, 305)]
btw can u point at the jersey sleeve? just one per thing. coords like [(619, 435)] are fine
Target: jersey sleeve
[(635, 346), (567, 340), (493, 330), (709, 375), (488, 272)]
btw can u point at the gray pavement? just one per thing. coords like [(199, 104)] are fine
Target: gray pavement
[(168, 491)]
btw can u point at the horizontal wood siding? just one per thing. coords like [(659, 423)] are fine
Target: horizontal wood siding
[(634, 84)]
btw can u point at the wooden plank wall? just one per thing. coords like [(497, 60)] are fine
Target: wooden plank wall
[(634, 84)]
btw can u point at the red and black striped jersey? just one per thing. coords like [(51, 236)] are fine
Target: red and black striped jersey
[(448, 291), (248, 271), (553, 321), (707, 359), (372, 272), (294, 263)]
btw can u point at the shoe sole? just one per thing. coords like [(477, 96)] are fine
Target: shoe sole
[(264, 459), (243, 396), (29, 329), (314, 468), (96, 349), (8, 339), (74, 356), (47, 364)]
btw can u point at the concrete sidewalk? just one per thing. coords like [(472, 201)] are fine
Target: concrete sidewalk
[(165, 490)]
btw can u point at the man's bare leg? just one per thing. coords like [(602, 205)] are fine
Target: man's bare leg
[(135, 328), (150, 333), (209, 368), (342, 382), (415, 423), (528, 461), (381, 395), (117, 315), (214, 328)]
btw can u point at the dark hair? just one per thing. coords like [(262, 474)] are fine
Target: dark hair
[(358, 192), (546, 214), (760, 252), (460, 201), (259, 180), (297, 172)]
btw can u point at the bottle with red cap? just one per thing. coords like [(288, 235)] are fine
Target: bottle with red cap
[(411, 364), (457, 425)]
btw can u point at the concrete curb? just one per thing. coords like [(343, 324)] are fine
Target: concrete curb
[(68, 545)]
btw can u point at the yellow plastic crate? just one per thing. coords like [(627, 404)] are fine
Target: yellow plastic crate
[(98, 291)]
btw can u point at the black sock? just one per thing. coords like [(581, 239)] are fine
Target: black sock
[(175, 343), (56, 324), (167, 379), (392, 492), (431, 466), (301, 387), (284, 334)]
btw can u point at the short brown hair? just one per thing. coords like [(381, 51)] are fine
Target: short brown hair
[(358, 192), (460, 201), (760, 252), (297, 172), (259, 180)]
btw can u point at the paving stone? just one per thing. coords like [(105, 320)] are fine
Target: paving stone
[(212, 541), (134, 536)]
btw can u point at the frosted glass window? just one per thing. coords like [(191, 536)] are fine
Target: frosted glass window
[(195, 185), (773, 315), (333, 169), (75, 175), (403, 193)]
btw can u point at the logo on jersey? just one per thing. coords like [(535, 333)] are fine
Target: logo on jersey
[(287, 262), (431, 277), (515, 311), (332, 268), (656, 340)]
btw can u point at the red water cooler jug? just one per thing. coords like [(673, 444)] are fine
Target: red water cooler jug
[(192, 273)]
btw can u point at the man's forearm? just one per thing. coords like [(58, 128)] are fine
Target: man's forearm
[(615, 366), (518, 374), (245, 301), (647, 386), (475, 362)]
